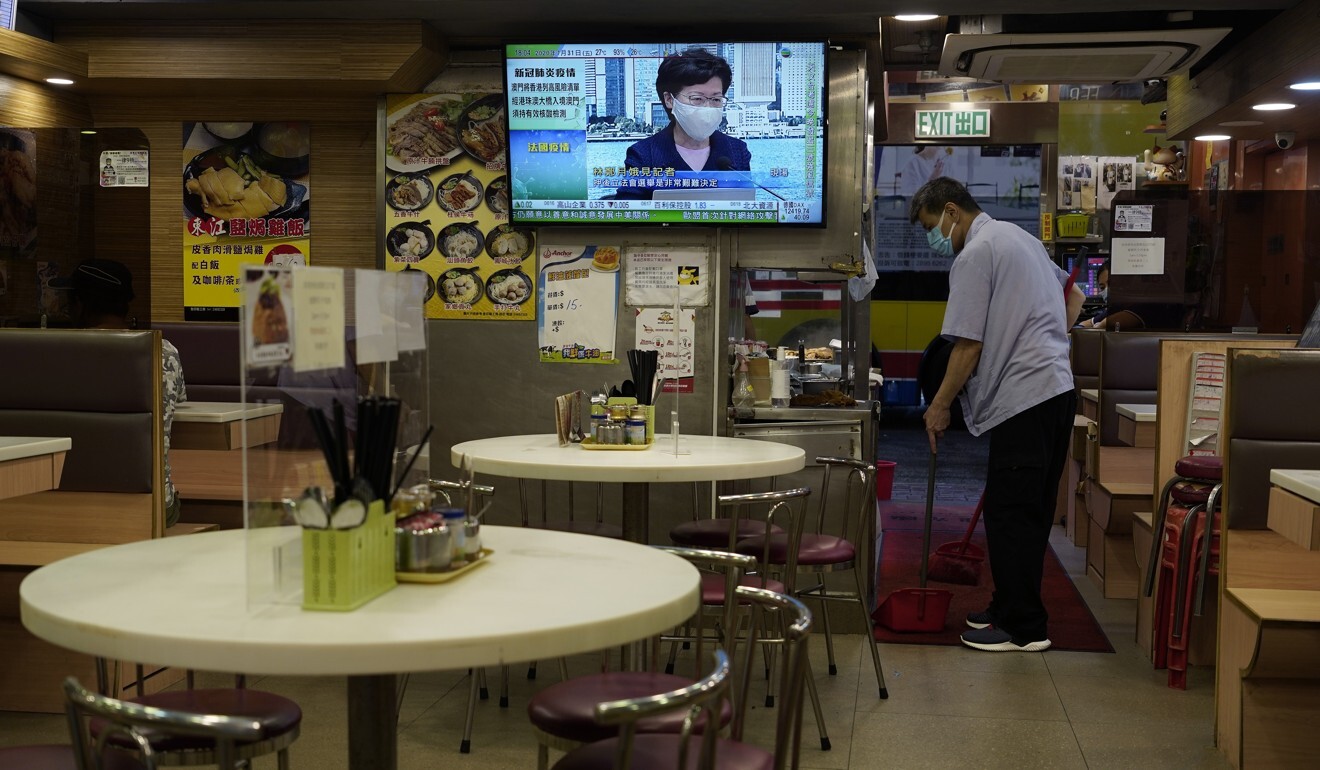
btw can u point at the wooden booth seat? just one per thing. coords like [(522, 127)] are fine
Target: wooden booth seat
[(102, 390), (1268, 672)]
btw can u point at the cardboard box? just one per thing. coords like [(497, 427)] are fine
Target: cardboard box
[(1294, 517)]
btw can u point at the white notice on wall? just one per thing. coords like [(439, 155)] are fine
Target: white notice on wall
[(374, 306), (578, 294), (410, 297), (656, 331), (654, 273), (318, 295), (124, 168), (1133, 219), (1138, 256)]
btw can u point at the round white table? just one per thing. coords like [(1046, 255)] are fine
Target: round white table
[(182, 601), (709, 458)]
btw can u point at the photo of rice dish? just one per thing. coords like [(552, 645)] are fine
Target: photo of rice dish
[(508, 288), (425, 133), (460, 286), (460, 192), (463, 243), (506, 243)]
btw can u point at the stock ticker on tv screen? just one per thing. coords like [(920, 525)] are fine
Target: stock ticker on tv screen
[(591, 140)]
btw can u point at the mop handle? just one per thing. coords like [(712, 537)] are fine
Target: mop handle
[(976, 517), (930, 512)]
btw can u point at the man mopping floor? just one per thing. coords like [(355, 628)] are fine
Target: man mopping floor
[(1009, 324)]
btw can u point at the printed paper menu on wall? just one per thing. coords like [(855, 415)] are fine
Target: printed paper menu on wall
[(447, 206), (579, 294), (246, 200)]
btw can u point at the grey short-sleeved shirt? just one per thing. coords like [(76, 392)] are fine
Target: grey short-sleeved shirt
[(1006, 293)]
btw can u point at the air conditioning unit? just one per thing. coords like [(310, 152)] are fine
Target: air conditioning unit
[(1081, 57)]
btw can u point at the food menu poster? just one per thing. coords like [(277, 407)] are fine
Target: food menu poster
[(653, 275), (447, 206), (18, 193), (578, 288), (268, 316), (246, 200), (672, 336)]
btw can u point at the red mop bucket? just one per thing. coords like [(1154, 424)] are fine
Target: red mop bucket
[(884, 479), (923, 609)]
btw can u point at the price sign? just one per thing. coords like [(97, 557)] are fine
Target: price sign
[(578, 294)]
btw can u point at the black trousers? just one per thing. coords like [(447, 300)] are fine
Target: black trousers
[(1027, 454)]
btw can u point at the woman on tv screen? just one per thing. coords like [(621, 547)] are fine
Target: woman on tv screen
[(692, 86)]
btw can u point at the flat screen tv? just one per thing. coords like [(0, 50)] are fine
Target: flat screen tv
[(595, 136)]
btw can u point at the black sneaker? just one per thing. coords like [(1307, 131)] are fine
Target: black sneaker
[(980, 619), (998, 640)]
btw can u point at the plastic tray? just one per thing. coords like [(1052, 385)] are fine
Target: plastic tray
[(443, 577), (590, 443)]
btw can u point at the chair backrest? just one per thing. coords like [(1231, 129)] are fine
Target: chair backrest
[(1271, 422), (1129, 374), (1085, 358), (786, 509), (703, 696), (729, 566), (131, 719), (794, 620), (858, 497)]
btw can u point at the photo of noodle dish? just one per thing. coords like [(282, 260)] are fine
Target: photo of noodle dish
[(410, 241), (459, 192), (510, 245), (460, 286), (481, 129), (409, 192), (424, 135), (508, 287), (460, 242)]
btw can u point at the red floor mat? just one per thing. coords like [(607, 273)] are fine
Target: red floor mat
[(1072, 626)]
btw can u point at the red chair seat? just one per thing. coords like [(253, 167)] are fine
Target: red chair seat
[(714, 533), (660, 752), (1191, 492), (276, 714), (814, 549), (60, 758), (599, 529), (1200, 467), (568, 709), (712, 587)]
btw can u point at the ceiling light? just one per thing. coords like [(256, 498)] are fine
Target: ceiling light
[(916, 16), (1311, 85), (1213, 137), (87, 132), (59, 81), (1241, 123), (1273, 106)]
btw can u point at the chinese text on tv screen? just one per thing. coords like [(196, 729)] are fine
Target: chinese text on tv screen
[(643, 133)]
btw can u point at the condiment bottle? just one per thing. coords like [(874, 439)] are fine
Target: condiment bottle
[(635, 430), (454, 519)]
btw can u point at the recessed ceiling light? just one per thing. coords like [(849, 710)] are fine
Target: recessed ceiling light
[(59, 81), (1241, 123), (1273, 106), (87, 132), (1213, 137), (1311, 85), (916, 16)]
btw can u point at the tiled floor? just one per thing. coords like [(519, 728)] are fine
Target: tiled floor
[(948, 707)]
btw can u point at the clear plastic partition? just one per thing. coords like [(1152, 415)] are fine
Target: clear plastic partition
[(336, 414)]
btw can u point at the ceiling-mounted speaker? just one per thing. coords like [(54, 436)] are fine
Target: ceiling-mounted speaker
[(1081, 57)]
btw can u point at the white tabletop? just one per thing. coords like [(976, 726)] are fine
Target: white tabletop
[(19, 447), (181, 601), (711, 458), (1091, 394), (1138, 412), (1300, 482), (222, 411)]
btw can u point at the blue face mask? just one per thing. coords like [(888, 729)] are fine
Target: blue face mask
[(939, 242)]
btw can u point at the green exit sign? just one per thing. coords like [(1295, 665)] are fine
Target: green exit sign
[(945, 124)]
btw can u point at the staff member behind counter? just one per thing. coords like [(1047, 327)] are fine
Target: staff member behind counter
[(1143, 315), (691, 85), (102, 289)]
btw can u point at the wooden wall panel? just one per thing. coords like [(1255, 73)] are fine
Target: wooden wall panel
[(35, 59), (27, 104)]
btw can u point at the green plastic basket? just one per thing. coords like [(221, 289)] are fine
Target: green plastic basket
[(1072, 225), (344, 569)]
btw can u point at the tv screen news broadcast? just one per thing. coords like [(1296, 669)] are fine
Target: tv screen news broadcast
[(667, 133)]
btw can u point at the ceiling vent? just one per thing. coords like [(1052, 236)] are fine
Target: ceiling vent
[(1083, 57)]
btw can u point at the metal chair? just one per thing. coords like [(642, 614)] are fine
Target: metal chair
[(562, 715), (653, 751), (818, 552), (131, 733), (714, 532)]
